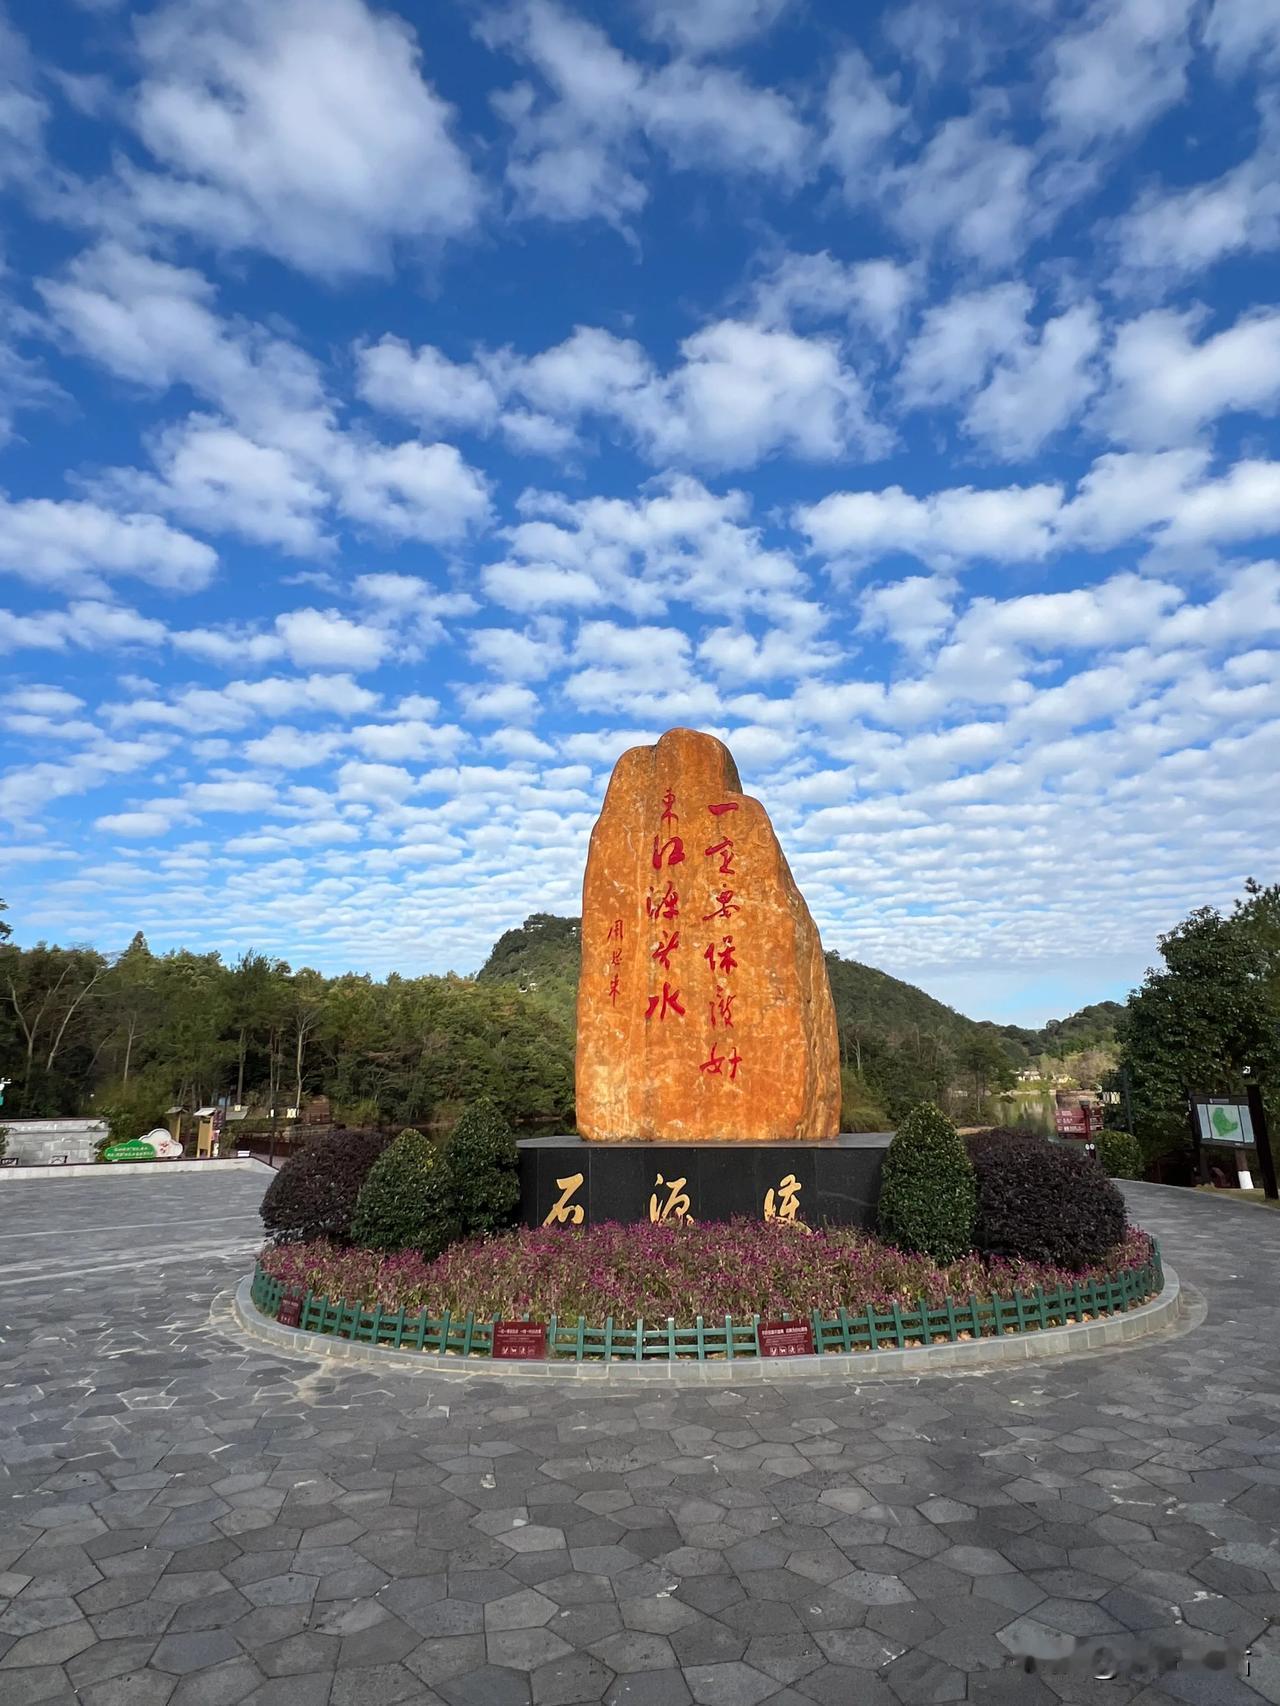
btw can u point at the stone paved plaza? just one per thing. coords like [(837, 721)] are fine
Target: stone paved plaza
[(188, 1518)]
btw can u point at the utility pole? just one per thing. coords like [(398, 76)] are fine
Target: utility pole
[(1262, 1142)]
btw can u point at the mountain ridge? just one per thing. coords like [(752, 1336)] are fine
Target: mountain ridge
[(543, 956)]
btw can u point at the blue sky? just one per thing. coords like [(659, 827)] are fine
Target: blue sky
[(403, 412)]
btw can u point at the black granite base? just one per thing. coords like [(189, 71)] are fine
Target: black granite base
[(566, 1181)]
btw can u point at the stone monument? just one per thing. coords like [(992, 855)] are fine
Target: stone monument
[(708, 1066), (704, 1010)]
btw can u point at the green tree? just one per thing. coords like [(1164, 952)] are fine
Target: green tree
[(985, 1068), (928, 1197), (484, 1169), (1120, 1154), (48, 993), (405, 1202), (1199, 1022)]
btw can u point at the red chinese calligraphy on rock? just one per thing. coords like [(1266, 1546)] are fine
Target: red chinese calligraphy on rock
[(722, 958), (669, 815), (671, 850), (615, 931), (724, 849), (667, 905), (726, 908), (669, 1000), (721, 1009), (714, 1066), (664, 950)]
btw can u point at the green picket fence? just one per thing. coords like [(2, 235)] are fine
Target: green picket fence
[(867, 1329)]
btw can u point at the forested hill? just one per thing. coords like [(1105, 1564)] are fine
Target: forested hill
[(544, 954)]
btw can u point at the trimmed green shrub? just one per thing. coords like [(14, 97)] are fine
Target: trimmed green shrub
[(484, 1168), (927, 1195), (1045, 1201), (315, 1192), (406, 1201), (1120, 1154)]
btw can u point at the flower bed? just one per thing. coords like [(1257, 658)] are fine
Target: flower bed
[(604, 1280)]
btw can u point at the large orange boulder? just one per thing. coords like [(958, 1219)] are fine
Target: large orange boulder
[(704, 1010)]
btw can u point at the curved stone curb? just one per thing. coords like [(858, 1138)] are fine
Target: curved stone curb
[(976, 1355)]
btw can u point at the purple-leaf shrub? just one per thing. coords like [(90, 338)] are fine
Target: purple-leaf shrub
[(738, 1267)]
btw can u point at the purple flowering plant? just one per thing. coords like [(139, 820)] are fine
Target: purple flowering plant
[(737, 1267)]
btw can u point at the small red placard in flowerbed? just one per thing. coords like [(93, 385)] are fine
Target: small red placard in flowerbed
[(520, 1341), (289, 1313), (785, 1339)]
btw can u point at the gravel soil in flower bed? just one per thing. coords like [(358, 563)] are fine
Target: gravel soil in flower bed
[(740, 1268)]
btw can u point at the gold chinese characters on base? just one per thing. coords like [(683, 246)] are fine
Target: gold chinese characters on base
[(704, 1010), (670, 1202)]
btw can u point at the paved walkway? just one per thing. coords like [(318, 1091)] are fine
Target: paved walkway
[(188, 1519)]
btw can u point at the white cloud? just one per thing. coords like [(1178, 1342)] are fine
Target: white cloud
[(677, 543), (155, 324), (971, 189), (518, 654), (1168, 499), (143, 824), (507, 702), (1121, 70), (862, 118), (578, 146), (426, 386), (870, 295), (1164, 386), (912, 612), (1172, 234), (300, 127), (24, 111), (1243, 35), (212, 476), (43, 701), (739, 393), (960, 340), (329, 640), (65, 542), (737, 656), (710, 26), (1010, 525), (411, 490), (1038, 385), (744, 393)]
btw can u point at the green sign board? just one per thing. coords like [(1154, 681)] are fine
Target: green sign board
[(1222, 1120), (133, 1149)]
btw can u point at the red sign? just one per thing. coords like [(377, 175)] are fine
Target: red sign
[(520, 1341), (785, 1338), (289, 1313), (1081, 1121)]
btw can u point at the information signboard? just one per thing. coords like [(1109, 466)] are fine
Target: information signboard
[(1083, 1120), (1223, 1119), (785, 1338), (520, 1341)]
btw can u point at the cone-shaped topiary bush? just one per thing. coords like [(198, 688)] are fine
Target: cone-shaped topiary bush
[(314, 1193), (1120, 1154), (484, 1169), (927, 1193), (405, 1203)]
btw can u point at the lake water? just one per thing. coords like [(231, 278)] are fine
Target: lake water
[(1035, 1112)]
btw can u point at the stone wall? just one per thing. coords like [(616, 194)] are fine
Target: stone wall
[(37, 1142)]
